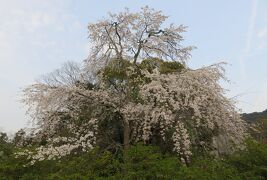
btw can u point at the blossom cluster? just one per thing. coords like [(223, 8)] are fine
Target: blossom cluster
[(82, 139), (193, 101)]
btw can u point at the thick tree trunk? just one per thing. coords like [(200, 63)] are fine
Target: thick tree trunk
[(126, 135)]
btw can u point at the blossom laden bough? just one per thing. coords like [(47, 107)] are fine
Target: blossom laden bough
[(189, 104)]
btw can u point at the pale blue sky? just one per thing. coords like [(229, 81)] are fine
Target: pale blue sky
[(37, 36)]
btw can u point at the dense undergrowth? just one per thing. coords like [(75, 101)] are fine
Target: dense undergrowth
[(139, 162)]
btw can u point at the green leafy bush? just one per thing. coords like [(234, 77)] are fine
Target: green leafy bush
[(141, 162), (164, 67), (251, 162)]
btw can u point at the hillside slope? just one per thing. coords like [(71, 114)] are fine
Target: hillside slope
[(258, 122), (255, 116)]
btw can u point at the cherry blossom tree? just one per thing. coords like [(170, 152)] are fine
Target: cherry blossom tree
[(142, 91)]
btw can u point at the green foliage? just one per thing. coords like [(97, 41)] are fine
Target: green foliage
[(151, 64), (6, 147), (164, 67), (253, 161), (147, 162), (169, 67), (116, 70), (141, 162), (88, 165)]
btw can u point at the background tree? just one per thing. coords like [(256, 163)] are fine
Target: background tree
[(6, 147)]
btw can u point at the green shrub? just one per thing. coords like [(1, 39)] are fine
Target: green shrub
[(147, 162), (164, 67), (141, 162), (251, 162)]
